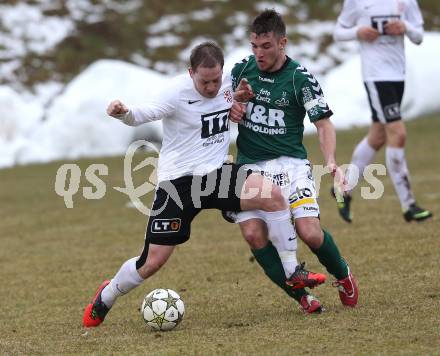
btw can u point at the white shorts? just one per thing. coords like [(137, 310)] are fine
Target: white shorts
[(294, 177)]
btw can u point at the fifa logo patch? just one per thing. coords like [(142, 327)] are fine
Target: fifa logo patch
[(165, 225), (228, 96)]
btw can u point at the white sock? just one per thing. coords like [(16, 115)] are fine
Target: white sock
[(124, 281), (363, 154), (283, 237), (398, 171)]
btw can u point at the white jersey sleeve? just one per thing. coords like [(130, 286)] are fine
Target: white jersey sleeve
[(413, 22), (346, 25), (349, 14), (163, 106)]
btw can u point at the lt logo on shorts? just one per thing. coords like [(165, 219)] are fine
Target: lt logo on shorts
[(165, 225)]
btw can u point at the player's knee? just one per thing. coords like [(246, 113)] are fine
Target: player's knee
[(255, 239), (401, 139), (150, 267), (377, 141), (381, 141), (312, 236), (396, 134), (255, 234)]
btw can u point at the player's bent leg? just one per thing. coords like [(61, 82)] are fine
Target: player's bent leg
[(329, 256), (267, 256), (158, 255), (310, 231), (363, 154), (255, 233), (399, 173), (258, 193), (376, 137), (396, 134), (322, 245), (127, 278)]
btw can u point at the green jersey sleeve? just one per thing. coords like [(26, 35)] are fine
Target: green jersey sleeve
[(309, 94), (236, 72)]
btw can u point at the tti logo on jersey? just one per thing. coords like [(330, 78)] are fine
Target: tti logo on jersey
[(165, 225), (214, 123), (379, 22)]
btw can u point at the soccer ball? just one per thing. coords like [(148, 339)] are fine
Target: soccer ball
[(162, 309)]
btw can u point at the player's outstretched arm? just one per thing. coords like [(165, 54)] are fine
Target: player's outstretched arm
[(139, 115), (118, 110)]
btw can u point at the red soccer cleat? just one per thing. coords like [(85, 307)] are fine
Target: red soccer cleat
[(96, 311), (302, 278), (309, 304), (348, 290)]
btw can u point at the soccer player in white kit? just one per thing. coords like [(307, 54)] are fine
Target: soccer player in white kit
[(193, 175), (380, 27)]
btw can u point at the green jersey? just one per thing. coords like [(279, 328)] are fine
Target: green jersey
[(274, 122)]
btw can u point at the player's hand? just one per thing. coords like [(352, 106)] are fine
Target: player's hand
[(237, 111), (339, 181), (243, 93), (395, 28), (116, 108), (367, 34)]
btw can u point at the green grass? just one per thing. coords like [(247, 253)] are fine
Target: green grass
[(53, 258)]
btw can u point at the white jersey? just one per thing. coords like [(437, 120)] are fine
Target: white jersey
[(195, 128), (383, 59)]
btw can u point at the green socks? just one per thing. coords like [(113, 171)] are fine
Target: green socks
[(329, 256), (268, 258)]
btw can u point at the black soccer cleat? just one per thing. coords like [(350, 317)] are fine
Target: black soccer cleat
[(302, 278), (343, 202), (229, 216), (416, 213)]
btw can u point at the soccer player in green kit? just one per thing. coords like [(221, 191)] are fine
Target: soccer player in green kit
[(270, 139)]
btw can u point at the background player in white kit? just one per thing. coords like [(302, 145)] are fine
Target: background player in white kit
[(192, 176), (380, 26)]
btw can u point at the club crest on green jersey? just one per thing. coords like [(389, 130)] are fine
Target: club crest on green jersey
[(282, 102)]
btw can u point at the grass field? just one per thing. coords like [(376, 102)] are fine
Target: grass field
[(53, 258)]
